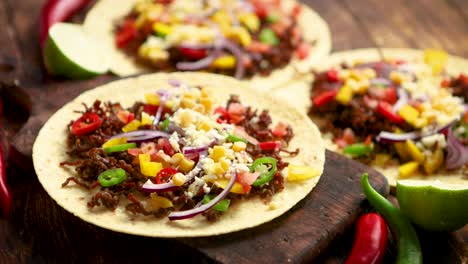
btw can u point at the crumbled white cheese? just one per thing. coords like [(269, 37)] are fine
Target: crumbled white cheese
[(431, 140), (174, 141), (193, 188)]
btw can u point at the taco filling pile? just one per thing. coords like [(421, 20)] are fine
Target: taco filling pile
[(237, 38), (178, 154), (396, 113)]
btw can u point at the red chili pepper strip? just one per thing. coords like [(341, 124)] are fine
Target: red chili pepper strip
[(86, 123), (126, 34), (385, 109), (195, 54), (165, 175), (5, 198), (269, 145), (390, 95), (324, 98), (370, 240), (333, 75), (57, 11)]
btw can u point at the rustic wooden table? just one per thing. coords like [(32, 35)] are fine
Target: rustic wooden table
[(354, 24)]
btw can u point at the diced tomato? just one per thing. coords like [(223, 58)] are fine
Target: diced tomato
[(192, 156), (260, 8), (463, 78), (333, 75), (164, 2), (280, 130), (258, 47), (164, 145), (134, 151), (399, 62), (340, 142), (246, 179), (385, 109), (465, 117), (371, 103), (150, 109), (127, 33), (236, 113), (324, 98), (194, 54), (368, 140), (239, 131), (302, 50), (348, 136), (445, 83), (125, 116), (269, 145), (223, 115), (148, 148), (296, 11), (390, 95)]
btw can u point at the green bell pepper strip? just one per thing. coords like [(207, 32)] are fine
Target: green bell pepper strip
[(112, 177), (222, 206), (409, 249), (120, 148), (165, 124), (268, 36), (233, 138), (358, 149), (265, 176)]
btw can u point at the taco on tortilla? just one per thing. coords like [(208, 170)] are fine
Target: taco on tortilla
[(177, 147), (244, 39), (403, 114)]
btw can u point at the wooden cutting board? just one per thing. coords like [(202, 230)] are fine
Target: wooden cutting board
[(298, 236)]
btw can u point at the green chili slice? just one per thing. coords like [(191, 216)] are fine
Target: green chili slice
[(120, 148), (112, 177), (260, 165), (165, 124), (222, 206), (272, 18), (268, 36), (233, 138), (358, 149)]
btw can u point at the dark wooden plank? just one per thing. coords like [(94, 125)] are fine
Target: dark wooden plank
[(10, 57), (41, 231), (461, 6)]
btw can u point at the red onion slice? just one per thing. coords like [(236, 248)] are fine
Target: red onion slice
[(161, 187), (198, 210), (237, 52), (402, 99), (197, 65), (457, 153), (174, 82), (162, 101), (142, 135), (380, 82)]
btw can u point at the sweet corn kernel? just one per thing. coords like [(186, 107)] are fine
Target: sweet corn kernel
[(436, 59), (205, 92), (409, 114), (150, 168), (224, 62), (207, 103), (187, 103), (217, 153), (204, 125), (221, 17), (434, 162), (362, 86), (369, 73), (170, 103), (114, 142), (199, 108), (218, 169), (241, 35), (239, 146), (177, 158), (186, 165), (398, 77), (250, 20), (344, 95), (158, 202), (224, 164), (408, 169), (402, 151), (185, 119), (132, 126), (162, 29), (355, 74), (179, 179), (414, 152), (157, 54), (273, 206), (300, 173), (146, 119), (152, 98)]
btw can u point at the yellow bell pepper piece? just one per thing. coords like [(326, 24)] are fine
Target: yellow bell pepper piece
[(144, 158), (437, 59), (301, 173), (224, 62), (150, 168), (381, 159), (250, 20), (414, 152), (402, 151), (434, 161), (132, 126), (162, 29), (222, 183), (240, 34), (344, 95), (152, 98), (158, 202), (146, 119), (408, 113), (407, 169), (114, 142)]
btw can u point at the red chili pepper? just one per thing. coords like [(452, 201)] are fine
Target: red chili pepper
[(324, 98), (269, 145), (126, 34), (333, 75), (86, 123), (390, 95), (194, 54), (296, 11), (5, 198), (57, 11), (165, 175), (261, 8), (385, 109), (370, 240)]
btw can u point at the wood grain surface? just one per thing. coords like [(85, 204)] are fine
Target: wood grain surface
[(26, 236)]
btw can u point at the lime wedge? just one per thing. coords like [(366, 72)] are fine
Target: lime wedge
[(69, 52), (435, 205)]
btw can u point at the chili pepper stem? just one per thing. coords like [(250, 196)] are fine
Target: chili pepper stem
[(409, 249)]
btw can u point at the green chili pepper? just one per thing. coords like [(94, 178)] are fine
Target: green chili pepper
[(120, 148), (221, 206), (409, 249), (165, 124), (233, 138), (358, 149), (112, 177), (267, 175), (272, 18), (268, 36)]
